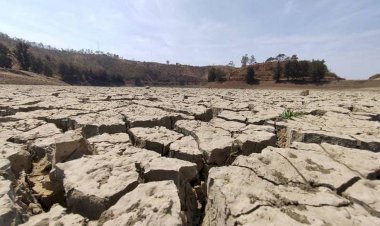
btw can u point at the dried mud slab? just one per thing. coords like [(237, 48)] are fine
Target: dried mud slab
[(155, 203), (302, 185), (335, 128), (159, 156), (56, 216)]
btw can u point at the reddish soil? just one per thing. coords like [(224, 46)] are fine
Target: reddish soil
[(29, 78), (335, 85)]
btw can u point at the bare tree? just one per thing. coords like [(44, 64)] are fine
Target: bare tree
[(244, 60), (294, 57), (252, 60)]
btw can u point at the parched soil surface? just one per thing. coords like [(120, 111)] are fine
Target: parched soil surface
[(168, 156)]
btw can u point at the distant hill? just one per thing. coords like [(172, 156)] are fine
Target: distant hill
[(375, 77), (86, 67)]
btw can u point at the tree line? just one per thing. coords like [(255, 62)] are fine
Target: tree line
[(90, 69), (297, 70), (303, 70), (75, 75), (26, 60), (68, 72), (51, 48), (282, 67), (91, 65), (86, 68)]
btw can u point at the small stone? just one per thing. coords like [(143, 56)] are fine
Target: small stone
[(305, 93)]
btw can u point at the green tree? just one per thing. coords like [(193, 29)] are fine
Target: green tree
[(250, 77), (70, 74), (37, 66), (212, 74), (282, 57), (138, 82), (244, 60), (291, 69), (294, 57), (63, 69), (117, 80), (23, 55), (318, 70), (216, 74), (277, 71), (47, 71), (288, 70), (295, 70), (5, 60), (220, 75), (303, 69)]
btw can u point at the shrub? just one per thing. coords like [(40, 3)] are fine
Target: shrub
[(211, 75), (250, 77), (216, 74), (289, 114), (117, 80), (47, 71), (277, 71), (138, 82)]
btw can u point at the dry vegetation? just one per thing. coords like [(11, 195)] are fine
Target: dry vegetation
[(86, 67)]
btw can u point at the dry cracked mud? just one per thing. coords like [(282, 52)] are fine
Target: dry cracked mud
[(160, 156)]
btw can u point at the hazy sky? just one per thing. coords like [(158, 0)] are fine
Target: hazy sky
[(346, 33)]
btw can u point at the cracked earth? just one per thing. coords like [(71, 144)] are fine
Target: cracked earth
[(160, 156)]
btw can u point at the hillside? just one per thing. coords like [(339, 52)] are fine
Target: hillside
[(86, 67), (9, 76), (85, 63), (375, 77)]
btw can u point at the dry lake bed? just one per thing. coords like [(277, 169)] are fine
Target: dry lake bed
[(171, 156)]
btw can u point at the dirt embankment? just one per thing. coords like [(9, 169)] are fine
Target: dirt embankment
[(375, 77), (334, 85), (10, 76), (18, 77)]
